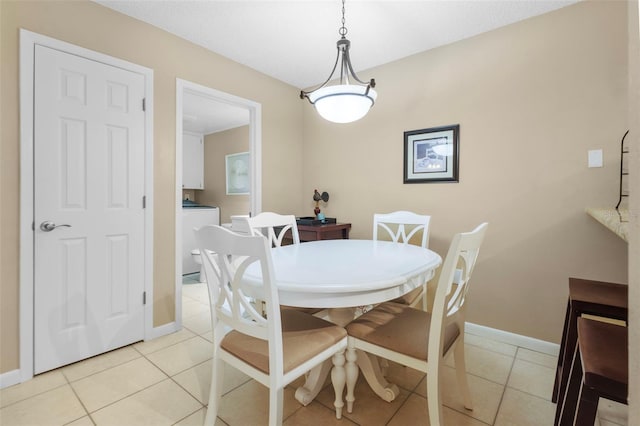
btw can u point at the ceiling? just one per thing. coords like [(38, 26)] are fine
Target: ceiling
[(205, 116), (295, 41)]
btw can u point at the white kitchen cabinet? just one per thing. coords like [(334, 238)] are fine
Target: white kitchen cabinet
[(192, 161), (195, 218)]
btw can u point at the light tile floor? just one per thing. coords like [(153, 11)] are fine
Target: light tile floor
[(166, 382)]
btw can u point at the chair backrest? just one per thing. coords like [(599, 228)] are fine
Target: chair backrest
[(453, 284), (265, 224), (397, 224), (225, 257)]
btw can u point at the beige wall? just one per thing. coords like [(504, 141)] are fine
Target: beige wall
[(216, 147), (531, 99), (92, 26)]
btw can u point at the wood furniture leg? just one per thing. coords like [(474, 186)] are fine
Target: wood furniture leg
[(566, 408), (587, 407), (561, 357)]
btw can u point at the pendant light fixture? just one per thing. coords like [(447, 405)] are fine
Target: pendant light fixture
[(351, 99)]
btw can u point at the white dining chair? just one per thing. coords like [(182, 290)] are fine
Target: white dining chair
[(274, 350), (401, 227), (274, 226), (418, 339)]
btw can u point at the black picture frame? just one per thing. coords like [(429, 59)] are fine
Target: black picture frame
[(432, 155)]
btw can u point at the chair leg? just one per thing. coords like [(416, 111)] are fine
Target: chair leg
[(276, 401), (338, 378), (566, 409), (215, 391), (561, 356), (351, 370), (434, 400), (570, 344), (461, 373), (425, 301), (587, 407)]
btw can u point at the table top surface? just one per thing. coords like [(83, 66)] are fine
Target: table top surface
[(345, 273)]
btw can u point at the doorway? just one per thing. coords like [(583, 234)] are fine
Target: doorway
[(228, 112)]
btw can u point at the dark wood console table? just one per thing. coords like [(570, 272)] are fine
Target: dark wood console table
[(329, 231)]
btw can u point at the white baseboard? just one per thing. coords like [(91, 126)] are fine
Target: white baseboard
[(513, 339), (9, 378), (163, 330)]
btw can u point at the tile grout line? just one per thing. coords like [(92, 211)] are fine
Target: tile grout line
[(189, 415), (61, 369), (524, 391), (504, 388), (35, 394), (126, 396), (395, 413), (84, 407), (203, 405)]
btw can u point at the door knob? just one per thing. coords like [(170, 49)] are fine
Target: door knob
[(48, 226)]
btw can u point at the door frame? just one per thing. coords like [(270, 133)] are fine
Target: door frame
[(28, 40), (255, 156)]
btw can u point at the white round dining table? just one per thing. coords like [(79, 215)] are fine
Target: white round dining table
[(337, 274), (346, 273)]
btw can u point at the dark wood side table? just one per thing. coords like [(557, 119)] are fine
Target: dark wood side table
[(329, 231)]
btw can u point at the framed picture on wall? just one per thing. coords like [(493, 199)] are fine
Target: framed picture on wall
[(237, 173), (432, 155)]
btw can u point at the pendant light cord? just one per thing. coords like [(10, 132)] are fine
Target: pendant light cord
[(343, 30)]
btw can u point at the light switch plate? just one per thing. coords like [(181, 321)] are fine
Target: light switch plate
[(595, 158)]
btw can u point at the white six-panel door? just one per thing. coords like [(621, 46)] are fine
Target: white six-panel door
[(89, 158)]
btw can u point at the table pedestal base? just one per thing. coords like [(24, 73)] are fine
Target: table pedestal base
[(313, 384), (355, 359), (370, 367)]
